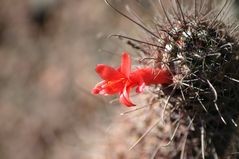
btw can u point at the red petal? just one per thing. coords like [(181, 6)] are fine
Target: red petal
[(113, 87), (98, 88), (124, 97), (95, 91), (125, 64), (154, 76), (137, 80), (162, 77), (125, 101), (108, 73), (109, 87), (140, 88)]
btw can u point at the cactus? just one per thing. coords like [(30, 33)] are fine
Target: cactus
[(196, 115)]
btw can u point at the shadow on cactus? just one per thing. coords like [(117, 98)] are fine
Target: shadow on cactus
[(196, 115)]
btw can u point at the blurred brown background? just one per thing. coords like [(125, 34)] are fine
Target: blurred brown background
[(48, 52)]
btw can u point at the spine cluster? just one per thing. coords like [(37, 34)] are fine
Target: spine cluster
[(196, 115)]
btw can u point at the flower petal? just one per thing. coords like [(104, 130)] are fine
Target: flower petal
[(162, 76), (125, 64), (137, 80), (154, 76), (95, 91), (140, 87), (109, 87), (124, 97), (108, 73), (98, 88), (125, 101)]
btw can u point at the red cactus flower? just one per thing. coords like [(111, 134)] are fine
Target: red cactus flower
[(117, 80), (122, 80)]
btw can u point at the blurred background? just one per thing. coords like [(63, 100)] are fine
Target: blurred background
[(48, 52)]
